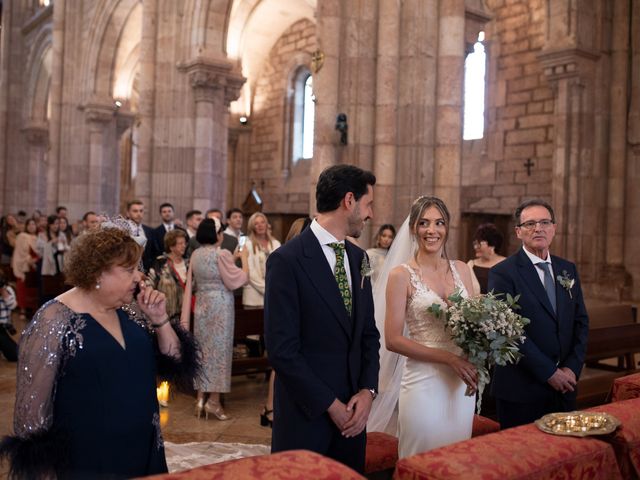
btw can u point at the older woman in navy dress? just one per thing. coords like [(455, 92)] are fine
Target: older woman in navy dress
[(85, 399)]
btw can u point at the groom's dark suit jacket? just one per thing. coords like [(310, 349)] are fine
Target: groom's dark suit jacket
[(318, 351), (553, 340)]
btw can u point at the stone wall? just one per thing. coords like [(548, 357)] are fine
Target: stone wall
[(283, 184), (519, 115)]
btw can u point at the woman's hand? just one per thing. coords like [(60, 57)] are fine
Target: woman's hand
[(152, 303), (465, 370)]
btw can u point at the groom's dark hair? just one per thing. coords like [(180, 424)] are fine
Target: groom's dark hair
[(336, 181)]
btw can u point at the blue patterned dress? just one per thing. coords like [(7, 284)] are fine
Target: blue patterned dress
[(214, 315)]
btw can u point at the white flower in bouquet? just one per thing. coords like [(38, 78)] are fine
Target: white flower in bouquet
[(486, 328)]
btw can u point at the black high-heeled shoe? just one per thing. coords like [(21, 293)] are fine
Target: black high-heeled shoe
[(265, 421)]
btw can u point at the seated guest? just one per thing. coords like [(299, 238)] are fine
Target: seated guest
[(90, 222), (214, 213), (23, 263), (88, 408), (486, 241), (169, 272), (7, 303), (233, 232), (377, 254), (193, 218)]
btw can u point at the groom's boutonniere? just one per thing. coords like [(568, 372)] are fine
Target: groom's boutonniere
[(365, 269), (566, 281)]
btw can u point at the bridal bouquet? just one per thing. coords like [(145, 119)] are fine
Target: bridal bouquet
[(486, 328)]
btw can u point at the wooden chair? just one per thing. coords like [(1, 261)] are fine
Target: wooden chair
[(249, 322)]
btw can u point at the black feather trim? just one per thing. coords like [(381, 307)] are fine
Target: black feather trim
[(39, 455), (181, 372)]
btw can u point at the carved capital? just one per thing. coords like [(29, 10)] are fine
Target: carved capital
[(568, 63), (37, 134), (98, 113), (124, 120), (212, 77)]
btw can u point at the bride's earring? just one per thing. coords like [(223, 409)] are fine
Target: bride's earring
[(97, 285)]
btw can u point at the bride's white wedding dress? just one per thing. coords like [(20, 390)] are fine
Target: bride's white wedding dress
[(433, 408)]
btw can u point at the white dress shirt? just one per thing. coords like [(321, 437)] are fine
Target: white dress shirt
[(535, 260), (232, 232), (325, 238), (137, 232)]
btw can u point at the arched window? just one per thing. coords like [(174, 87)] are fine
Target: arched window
[(474, 91), (303, 110)]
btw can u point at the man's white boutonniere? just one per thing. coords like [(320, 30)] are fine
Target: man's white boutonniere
[(566, 281), (365, 270)]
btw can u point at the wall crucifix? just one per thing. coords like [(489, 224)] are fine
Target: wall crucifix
[(528, 164)]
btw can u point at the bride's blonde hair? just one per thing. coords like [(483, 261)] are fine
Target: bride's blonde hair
[(417, 210)]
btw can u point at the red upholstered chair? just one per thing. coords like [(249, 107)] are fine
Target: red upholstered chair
[(291, 465), (382, 448), (483, 425), (626, 439), (625, 388), (512, 454), (382, 453)]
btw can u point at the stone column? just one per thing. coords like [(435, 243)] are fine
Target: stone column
[(617, 134), (146, 104), (99, 117), (326, 89), (37, 137), (215, 85), (55, 122), (5, 44), (386, 126), (448, 141), (632, 201), (588, 213)]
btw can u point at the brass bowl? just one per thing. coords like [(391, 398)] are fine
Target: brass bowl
[(578, 424)]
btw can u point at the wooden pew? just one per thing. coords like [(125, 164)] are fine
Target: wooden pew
[(613, 333), (248, 322)]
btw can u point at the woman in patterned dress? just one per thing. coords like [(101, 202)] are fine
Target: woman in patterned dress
[(215, 276)]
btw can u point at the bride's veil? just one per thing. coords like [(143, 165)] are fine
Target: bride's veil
[(384, 412)]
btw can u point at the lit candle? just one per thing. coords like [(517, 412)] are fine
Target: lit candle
[(163, 394)]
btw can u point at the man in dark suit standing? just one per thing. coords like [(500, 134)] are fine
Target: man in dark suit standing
[(319, 326), (142, 234), (167, 214), (545, 379)]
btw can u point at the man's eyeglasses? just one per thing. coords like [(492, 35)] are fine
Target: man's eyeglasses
[(530, 225)]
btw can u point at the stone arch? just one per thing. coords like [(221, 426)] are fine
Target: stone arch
[(204, 28), (105, 32), (254, 27), (39, 78)]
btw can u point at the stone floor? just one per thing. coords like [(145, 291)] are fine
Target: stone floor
[(179, 424)]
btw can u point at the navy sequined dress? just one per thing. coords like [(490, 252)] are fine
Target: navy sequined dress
[(85, 406)]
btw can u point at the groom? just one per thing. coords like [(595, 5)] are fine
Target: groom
[(545, 379), (320, 330)]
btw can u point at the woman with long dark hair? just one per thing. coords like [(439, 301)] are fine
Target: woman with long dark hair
[(430, 391)]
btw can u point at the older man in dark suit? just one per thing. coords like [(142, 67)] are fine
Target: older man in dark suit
[(545, 379), (320, 330)]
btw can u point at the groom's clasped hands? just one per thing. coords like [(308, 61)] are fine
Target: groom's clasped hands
[(351, 419)]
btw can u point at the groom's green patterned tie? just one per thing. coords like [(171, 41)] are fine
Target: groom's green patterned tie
[(341, 275)]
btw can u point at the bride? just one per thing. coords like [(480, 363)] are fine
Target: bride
[(427, 388)]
